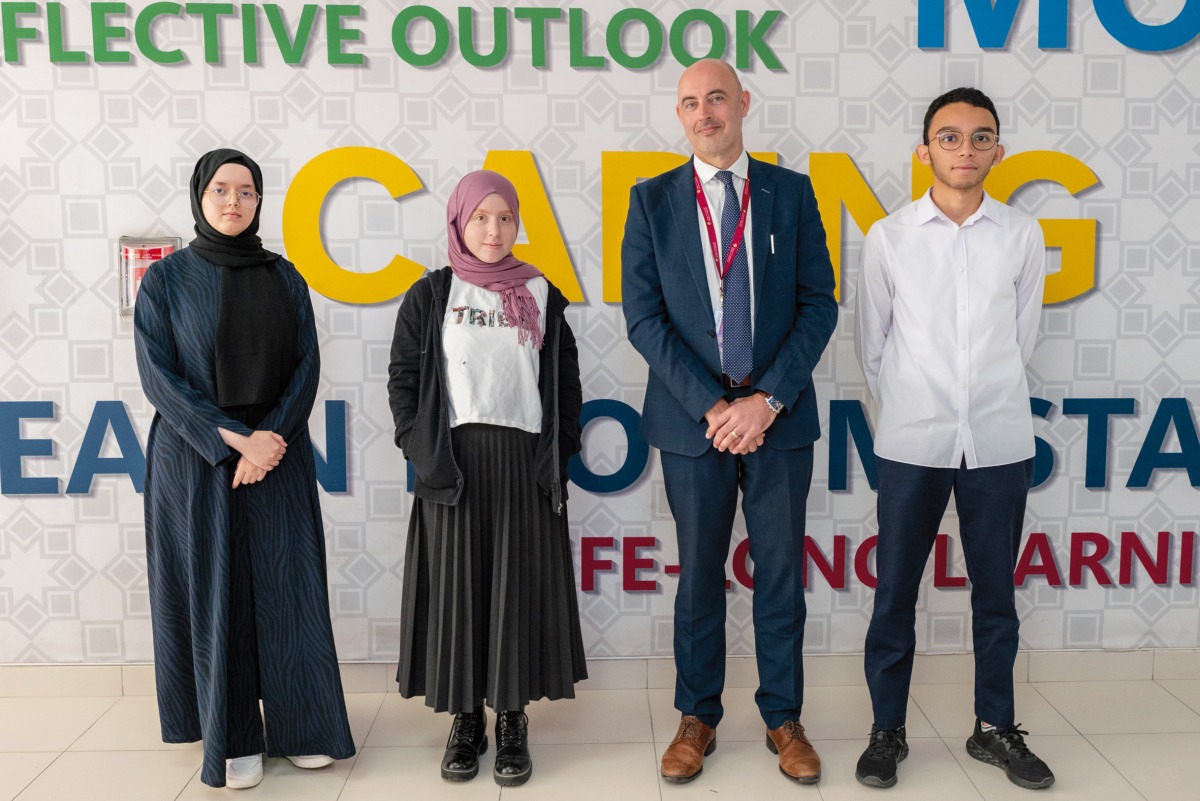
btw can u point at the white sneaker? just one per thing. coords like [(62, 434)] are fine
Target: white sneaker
[(310, 762), (243, 772)]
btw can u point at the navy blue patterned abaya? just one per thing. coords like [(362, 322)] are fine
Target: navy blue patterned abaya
[(238, 593)]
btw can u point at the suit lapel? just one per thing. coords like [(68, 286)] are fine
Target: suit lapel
[(687, 222), (762, 204)]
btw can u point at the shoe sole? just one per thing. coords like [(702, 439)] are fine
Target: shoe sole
[(513, 781), (983, 755), (466, 775), (801, 779), (875, 781), (685, 779)]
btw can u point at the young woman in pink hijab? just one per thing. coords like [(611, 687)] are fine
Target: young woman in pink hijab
[(484, 389)]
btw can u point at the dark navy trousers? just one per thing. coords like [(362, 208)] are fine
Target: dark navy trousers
[(991, 511), (702, 492)]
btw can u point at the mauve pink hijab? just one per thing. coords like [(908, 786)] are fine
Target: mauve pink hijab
[(507, 276)]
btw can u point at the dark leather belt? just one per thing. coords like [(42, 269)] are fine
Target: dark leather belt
[(729, 383)]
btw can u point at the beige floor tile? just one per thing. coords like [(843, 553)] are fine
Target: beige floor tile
[(1157, 765), (283, 781), (1177, 663), (137, 680), (114, 776), (929, 774), (600, 772), (131, 724), (60, 680), (592, 716), (824, 670), (412, 774), (1119, 707), (844, 713), (1080, 772), (47, 724), (18, 770), (951, 710), (407, 722), (1186, 690), (1091, 665), (365, 677), (362, 709), (660, 673), (614, 674)]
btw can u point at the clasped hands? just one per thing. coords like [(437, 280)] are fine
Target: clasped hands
[(739, 427), (261, 452)]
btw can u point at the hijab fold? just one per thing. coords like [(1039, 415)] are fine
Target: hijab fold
[(507, 276), (254, 353)]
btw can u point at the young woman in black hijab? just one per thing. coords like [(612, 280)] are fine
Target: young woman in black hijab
[(235, 550)]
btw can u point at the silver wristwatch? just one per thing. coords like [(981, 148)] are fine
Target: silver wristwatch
[(773, 403)]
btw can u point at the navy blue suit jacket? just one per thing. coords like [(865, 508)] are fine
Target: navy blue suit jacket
[(669, 314)]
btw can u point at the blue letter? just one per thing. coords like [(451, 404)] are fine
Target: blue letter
[(1116, 18), (1098, 410), (1043, 454), (992, 23), (12, 448), (331, 471), (131, 461), (635, 459), (848, 416), (1151, 457)]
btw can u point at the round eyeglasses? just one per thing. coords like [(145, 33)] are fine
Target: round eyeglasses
[(221, 196), (980, 140)]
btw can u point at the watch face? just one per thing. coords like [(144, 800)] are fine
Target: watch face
[(774, 403)]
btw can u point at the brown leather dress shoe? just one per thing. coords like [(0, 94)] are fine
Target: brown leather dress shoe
[(684, 758), (797, 758)]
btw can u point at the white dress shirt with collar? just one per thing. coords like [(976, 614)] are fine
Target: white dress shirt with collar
[(947, 317), (714, 191)]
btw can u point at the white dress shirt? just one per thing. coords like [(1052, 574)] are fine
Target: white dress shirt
[(947, 317), (714, 191)]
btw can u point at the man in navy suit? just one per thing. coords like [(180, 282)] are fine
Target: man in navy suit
[(728, 295)]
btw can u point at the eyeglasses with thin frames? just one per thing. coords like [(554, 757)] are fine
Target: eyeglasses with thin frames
[(221, 196), (980, 140)]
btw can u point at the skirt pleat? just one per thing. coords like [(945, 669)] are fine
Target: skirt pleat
[(488, 612)]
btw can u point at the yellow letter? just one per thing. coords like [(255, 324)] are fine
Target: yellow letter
[(302, 224), (1076, 238), (837, 182), (546, 249), (620, 170)]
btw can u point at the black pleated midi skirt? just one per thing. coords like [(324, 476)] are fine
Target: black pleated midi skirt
[(489, 613)]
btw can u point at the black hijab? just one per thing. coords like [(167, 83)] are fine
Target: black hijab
[(255, 348)]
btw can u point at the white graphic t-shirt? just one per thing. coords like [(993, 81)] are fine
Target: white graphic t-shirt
[(491, 378)]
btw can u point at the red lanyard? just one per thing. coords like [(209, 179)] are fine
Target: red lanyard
[(739, 233)]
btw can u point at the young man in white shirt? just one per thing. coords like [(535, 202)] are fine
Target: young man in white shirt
[(947, 315)]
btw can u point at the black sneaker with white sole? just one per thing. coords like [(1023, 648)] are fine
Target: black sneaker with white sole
[(1005, 747), (877, 765)]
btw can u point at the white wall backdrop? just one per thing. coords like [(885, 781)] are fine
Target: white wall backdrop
[(96, 150)]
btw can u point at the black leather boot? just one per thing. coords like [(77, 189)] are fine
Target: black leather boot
[(513, 765), (468, 739)]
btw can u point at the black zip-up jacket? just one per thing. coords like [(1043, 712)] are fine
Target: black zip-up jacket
[(420, 406)]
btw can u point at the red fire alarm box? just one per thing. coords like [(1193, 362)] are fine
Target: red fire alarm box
[(134, 256)]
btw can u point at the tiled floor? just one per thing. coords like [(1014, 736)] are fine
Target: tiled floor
[(1119, 740)]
